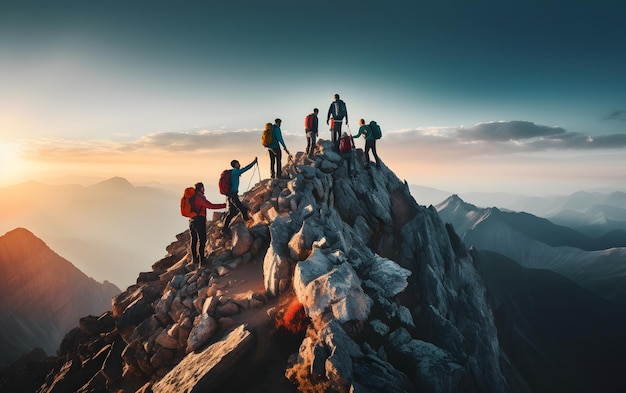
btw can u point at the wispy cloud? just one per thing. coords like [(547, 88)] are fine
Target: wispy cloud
[(507, 131), (505, 137), (616, 115)]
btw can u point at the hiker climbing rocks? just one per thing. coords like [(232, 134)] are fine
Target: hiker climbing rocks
[(310, 128), (370, 141), (197, 224), (234, 204), (274, 150), (336, 112), (346, 147)]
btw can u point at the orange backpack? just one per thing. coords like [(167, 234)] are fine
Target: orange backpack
[(186, 203)]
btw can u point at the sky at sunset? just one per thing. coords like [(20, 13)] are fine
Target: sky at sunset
[(515, 96)]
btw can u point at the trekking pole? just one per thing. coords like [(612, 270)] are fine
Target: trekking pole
[(256, 167)]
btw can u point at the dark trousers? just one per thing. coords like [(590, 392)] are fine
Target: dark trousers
[(347, 157), (371, 145), (197, 230), (234, 207), (336, 132), (310, 142), (275, 164)]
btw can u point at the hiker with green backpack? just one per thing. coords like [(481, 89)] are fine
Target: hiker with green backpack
[(371, 133), (229, 186)]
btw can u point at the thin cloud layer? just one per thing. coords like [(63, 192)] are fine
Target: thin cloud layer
[(505, 137), (507, 131), (491, 138)]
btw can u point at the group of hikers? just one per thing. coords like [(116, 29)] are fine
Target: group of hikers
[(272, 139)]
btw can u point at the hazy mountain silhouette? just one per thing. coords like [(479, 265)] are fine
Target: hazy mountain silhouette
[(561, 337), (537, 243), (43, 295), (591, 213), (108, 230)]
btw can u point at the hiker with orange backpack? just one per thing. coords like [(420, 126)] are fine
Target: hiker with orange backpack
[(231, 190), (274, 149), (197, 223)]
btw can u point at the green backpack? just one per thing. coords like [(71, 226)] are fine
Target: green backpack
[(375, 130)]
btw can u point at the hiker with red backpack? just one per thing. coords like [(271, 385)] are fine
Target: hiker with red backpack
[(310, 128), (231, 190), (197, 219), (346, 147), (371, 133)]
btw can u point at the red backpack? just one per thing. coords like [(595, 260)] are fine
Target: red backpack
[(345, 144), (224, 183), (308, 122), (186, 203)]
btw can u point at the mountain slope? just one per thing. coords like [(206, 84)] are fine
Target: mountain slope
[(537, 243), (362, 289), (561, 337), (43, 295)]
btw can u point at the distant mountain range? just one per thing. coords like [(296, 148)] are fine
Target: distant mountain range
[(596, 264), (43, 296), (111, 230)]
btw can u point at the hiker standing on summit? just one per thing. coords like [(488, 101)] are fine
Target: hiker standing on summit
[(274, 150), (310, 128), (336, 112), (234, 204), (370, 142), (197, 225)]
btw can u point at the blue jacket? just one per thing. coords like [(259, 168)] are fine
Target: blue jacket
[(234, 177), (277, 137)]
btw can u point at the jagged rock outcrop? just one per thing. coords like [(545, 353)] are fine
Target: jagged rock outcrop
[(391, 300)]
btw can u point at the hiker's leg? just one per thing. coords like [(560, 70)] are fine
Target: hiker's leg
[(313, 142), (240, 206), (232, 212), (200, 225), (193, 244), (308, 143), (337, 132), (272, 162), (375, 154), (349, 160), (368, 146), (279, 166)]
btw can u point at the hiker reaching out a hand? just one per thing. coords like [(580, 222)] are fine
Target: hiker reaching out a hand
[(234, 204)]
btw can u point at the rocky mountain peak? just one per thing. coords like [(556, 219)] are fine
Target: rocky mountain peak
[(335, 284)]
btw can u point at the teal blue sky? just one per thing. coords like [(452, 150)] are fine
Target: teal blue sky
[(518, 81)]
